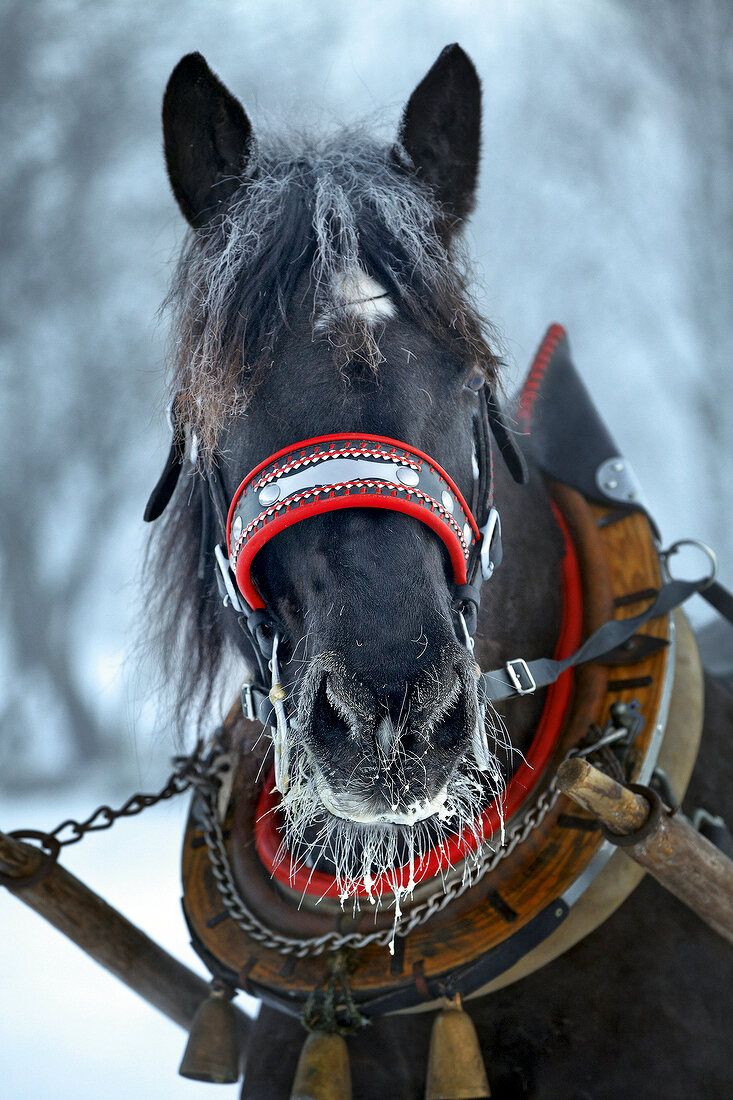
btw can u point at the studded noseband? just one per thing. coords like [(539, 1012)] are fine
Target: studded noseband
[(348, 470)]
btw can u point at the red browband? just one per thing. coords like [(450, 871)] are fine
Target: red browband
[(345, 470)]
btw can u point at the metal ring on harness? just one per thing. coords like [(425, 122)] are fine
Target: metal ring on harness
[(51, 846), (712, 557)]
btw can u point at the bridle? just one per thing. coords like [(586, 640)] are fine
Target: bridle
[(346, 470), (330, 473), (350, 470)]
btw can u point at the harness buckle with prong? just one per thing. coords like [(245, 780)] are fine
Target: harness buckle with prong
[(521, 678), (249, 706)]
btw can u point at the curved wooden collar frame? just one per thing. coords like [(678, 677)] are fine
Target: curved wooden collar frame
[(505, 915)]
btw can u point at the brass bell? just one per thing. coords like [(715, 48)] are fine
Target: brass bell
[(212, 1051), (455, 1065), (323, 1071)]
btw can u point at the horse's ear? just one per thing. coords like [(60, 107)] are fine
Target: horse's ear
[(207, 138), (441, 130)]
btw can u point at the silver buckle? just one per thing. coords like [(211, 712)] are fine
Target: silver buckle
[(249, 709), (515, 676), (491, 530), (232, 596)]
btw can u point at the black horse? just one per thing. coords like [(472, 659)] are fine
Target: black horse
[(324, 290)]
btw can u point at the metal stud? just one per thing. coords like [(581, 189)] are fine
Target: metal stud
[(269, 494), (447, 501), (467, 532), (407, 476), (617, 481), (237, 527)]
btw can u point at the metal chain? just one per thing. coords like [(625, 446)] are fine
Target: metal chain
[(104, 817), (334, 941), (203, 774), (72, 831)]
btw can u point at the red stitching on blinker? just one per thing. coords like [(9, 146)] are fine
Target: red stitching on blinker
[(533, 383)]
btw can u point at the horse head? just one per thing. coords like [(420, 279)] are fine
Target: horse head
[(322, 294)]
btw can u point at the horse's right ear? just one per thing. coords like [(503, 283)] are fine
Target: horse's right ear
[(207, 138), (441, 131)]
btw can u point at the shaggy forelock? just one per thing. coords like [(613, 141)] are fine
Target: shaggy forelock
[(326, 210)]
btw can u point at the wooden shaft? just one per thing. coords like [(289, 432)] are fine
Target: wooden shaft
[(682, 860), (616, 806), (109, 938)]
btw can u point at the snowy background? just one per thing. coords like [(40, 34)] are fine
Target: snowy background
[(605, 204)]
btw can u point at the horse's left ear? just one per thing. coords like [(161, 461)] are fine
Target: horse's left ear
[(441, 131)]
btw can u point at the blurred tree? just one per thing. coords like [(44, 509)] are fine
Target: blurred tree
[(692, 45), (76, 384), (605, 200)]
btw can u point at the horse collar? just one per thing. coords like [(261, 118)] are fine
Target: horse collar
[(552, 852)]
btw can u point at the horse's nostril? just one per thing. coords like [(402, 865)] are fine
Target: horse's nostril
[(391, 727), (329, 715), (454, 726)]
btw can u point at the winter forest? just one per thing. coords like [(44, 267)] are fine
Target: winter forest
[(605, 204)]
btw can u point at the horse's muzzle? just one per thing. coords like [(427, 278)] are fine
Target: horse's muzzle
[(388, 756)]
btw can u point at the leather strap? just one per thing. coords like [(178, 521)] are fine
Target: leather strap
[(520, 677), (166, 483), (719, 598)]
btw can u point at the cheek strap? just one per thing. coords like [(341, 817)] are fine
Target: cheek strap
[(507, 443)]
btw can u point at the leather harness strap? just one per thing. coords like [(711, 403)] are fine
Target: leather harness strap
[(520, 677)]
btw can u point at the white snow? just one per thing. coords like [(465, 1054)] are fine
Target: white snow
[(69, 1028)]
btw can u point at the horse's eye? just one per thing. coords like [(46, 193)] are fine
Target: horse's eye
[(475, 380)]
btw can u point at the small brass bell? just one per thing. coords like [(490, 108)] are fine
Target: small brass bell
[(212, 1051), (323, 1071), (455, 1065)]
